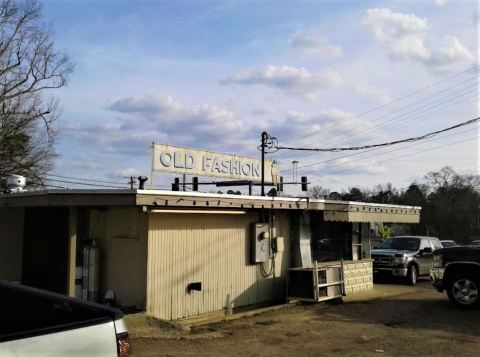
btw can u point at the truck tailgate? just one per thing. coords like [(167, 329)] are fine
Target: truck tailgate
[(93, 341)]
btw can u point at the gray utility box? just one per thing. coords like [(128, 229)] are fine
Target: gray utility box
[(261, 246), (318, 283)]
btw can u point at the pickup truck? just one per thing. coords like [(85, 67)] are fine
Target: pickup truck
[(457, 270), (407, 257), (35, 322)]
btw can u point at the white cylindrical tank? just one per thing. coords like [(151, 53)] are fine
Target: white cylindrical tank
[(90, 271), (16, 183)]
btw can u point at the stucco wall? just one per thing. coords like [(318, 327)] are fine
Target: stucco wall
[(122, 235), (11, 243)]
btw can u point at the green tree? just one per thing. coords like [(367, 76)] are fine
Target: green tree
[(30, 68)]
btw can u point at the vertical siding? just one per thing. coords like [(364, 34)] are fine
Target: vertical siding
[(213, 250)]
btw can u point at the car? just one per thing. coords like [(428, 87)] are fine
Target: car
[(448, 243), (475, 242), (407, 257), (457, 270)]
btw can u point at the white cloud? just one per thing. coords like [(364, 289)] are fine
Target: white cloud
[(126, 172), (84, 162), (405, 36), (440, 2), (324, 128), (315, 46), (346, 166), (450, 51), (367, 90), (290, 80), (404, 33), (144, 119)]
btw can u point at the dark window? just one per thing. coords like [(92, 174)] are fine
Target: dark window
[(410, 244)]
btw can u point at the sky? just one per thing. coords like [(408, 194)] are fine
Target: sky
[(214, 75)]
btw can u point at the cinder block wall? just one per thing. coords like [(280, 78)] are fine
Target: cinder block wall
[(358, 276)]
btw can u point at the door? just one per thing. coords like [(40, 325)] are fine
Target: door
[(424, 259), (45, 248)]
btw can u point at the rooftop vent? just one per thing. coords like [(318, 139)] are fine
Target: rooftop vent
[(16, 183)]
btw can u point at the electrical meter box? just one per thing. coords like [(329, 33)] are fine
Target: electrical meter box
[(260, 248)]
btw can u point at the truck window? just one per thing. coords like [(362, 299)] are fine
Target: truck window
[(435, 244), (425, 244)]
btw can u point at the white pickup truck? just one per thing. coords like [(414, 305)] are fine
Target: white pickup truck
[(35, 322)]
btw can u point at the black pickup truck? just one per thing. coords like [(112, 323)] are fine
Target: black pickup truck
[(457, 270)]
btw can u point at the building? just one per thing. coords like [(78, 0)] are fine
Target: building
[(181, 254)]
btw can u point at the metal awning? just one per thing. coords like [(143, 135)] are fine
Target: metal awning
[(358, 212)]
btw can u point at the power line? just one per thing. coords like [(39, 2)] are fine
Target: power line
[(127, 159), (401, 156), (85, 179), (386, 152), (369, 150), (82, 183), (417, 138), (401, 98), (411, 115)]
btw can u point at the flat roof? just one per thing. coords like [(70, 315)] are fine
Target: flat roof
[(334, 210)]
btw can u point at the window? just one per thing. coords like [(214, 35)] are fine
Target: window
[(435, 244), (425, 244)]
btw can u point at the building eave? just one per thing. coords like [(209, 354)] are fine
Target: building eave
[(345, 211)]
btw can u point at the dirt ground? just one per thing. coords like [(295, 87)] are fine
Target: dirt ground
[(418, 322)]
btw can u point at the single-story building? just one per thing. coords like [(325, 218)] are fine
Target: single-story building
[(181, 254)]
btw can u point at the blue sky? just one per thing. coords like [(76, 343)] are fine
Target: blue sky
[(213, 75)]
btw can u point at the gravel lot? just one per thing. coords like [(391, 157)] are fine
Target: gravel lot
[(417, 321)]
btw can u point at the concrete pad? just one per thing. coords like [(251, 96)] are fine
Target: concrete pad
[(380, 291)]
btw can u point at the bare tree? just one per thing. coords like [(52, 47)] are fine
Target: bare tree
[(318, 192), (30, 68)]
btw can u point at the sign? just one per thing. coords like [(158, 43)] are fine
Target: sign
[(169, 158)]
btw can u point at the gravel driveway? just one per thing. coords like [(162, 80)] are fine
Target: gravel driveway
[(417, 321)]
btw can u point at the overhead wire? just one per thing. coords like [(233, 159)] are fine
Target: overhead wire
[(412, 114), (344, 156), (401, 156), (83, 183), (130, 157), (408, 116), (85, 179), (395, 142), (402, 98), (390, 151)]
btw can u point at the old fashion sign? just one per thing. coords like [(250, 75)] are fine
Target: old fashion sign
[(187, 161)]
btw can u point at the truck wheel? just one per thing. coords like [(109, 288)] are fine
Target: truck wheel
[(463, 290), (412, 275)]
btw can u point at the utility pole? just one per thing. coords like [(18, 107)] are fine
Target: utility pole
[(131, 182), (264, 142)]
